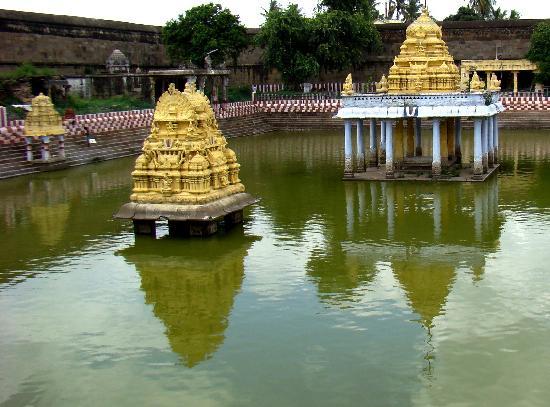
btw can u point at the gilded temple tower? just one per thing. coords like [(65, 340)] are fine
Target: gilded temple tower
[(186, 173)]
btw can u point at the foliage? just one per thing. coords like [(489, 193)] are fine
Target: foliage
[(514, 15), (112, 104), (482, 10), (411, 11), (342, 39), (464, 13), (336, 38), (365, 7), (285, 37), (539, 52), (239, 93), (203, 29), (27, 70)]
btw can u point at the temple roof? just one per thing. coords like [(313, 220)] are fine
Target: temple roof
[(424, 64), (43, 119)]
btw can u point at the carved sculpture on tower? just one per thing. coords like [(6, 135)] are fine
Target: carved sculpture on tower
[(186, 172), (476, 84), (424, 63), (347, 88)]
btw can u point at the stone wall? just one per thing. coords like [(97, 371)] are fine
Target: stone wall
[(75, 45)]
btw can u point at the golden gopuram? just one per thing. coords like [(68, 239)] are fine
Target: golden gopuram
[(186, 174), (41, 123), (423, 88)]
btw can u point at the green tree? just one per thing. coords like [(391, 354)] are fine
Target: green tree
[(285, 37), (411, 11), (343, 39), (539, 51), (366, 7), (514, 15), (464, 13), (483, 8), (203, 29)]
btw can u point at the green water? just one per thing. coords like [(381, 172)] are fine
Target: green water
[(330, 294)]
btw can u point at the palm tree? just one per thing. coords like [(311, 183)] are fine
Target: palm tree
[(411, 11), (483, 7)]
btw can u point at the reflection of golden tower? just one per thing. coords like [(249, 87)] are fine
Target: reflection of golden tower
[(185, 159), (426, 286), (424, 63), (191, 293), (43, 120)]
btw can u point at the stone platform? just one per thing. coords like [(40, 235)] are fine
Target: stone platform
[(460, 175), (186, 220)]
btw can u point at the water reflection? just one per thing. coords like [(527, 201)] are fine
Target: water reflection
[(47, 215), (192, 288), (424, 233)]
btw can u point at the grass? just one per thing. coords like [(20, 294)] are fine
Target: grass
[(26, 70)]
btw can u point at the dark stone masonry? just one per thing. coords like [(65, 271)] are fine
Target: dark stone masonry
[(77, 45)]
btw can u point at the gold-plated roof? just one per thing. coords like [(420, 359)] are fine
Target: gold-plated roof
[(424, 63), (43, 120), (185, 159)]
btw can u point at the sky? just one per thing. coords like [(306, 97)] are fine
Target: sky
[(158, 12)]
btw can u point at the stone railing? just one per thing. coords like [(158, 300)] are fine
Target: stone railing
[(526, 103), (95, 123), (235, 109), (316, 87)]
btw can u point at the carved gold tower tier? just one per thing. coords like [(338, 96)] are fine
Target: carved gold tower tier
[(43, 120), (185, 159), (424, 63)]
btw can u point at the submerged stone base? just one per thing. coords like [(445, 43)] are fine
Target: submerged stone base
[(458, 175), (186, 220)]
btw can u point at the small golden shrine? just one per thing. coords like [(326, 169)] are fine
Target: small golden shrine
[(424, 63), (185, 159), (43, 120)]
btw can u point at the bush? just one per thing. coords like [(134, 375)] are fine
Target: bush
[(112, 104)]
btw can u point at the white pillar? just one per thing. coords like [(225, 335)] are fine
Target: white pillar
[(348, 158), (61, 148), (484, 144), (389, 148), (360, 153), (28, 144), (436, 149), (478, 149), (418, 137), (490, 147), (373, 162), (495, 139), (458, 139), (45, 147), (382, 141)]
